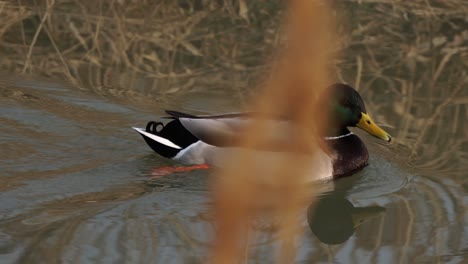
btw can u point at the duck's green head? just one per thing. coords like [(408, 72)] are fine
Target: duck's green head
[(348, 110)]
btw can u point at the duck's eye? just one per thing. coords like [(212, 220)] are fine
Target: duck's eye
[(368, 122)]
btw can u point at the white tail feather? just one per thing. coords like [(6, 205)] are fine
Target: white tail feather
[(158, 139)]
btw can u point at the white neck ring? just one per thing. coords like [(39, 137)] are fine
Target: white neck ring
[(338, 137)]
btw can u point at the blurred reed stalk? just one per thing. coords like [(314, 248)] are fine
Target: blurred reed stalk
[(298, 76)]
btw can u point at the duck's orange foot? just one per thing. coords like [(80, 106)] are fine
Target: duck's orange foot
[(166, 170)]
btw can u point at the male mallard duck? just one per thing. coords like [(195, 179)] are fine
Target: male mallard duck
[(194, 139)]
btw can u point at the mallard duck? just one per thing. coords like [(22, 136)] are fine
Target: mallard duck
[(192, 139)]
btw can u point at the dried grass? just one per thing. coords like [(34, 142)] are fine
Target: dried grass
[(170, 41)]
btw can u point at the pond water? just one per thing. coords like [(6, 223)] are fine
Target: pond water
[(77, 183)]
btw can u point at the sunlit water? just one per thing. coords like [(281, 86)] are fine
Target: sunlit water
[(77, 183)]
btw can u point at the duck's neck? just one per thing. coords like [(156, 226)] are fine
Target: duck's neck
[(332, 134), (338, 137)]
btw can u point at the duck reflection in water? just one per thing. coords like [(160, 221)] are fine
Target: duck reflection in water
[(333, 218)]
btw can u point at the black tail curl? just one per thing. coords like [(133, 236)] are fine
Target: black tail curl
[(154, 127), (173, 131)]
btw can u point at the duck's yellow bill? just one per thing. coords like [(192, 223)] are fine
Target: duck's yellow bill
[(368, 125)]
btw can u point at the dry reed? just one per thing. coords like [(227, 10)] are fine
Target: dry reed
[(299, 76)]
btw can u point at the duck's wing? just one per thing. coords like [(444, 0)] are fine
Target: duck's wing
[(224, 130), (177, 115)]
